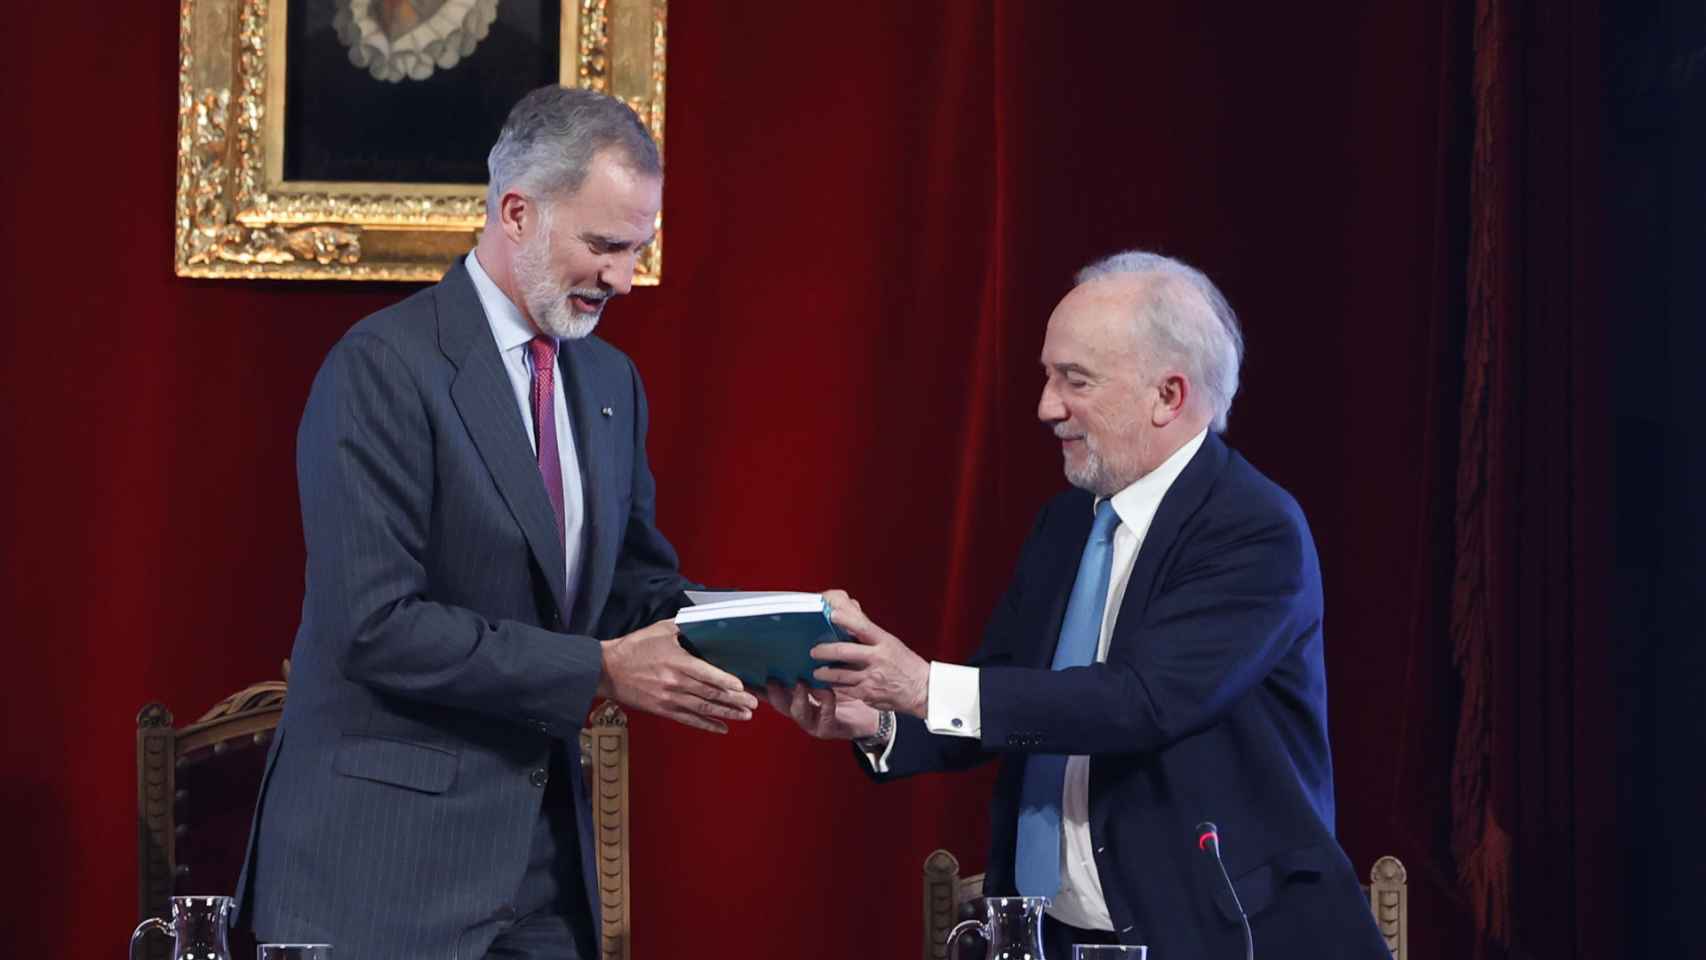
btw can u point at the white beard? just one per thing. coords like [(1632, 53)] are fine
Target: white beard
[(1088, 475), (547, 303), (1095, 475)]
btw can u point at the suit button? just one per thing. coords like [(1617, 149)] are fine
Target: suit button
[(541, 726), (539, 777)]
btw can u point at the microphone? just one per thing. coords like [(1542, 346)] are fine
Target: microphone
[(1208, 839)]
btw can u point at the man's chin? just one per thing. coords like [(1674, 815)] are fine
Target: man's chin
[(571, 325), (1081, 478), (1091, 477), (580, 326)]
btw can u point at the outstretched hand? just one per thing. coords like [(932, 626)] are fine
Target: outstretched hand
[(822, 713), (648, 670), (876, 668)]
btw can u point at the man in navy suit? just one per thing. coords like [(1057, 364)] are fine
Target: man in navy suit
[(1156, 661), (482, 563)]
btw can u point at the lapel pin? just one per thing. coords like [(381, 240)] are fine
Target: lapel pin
[(607, 411)]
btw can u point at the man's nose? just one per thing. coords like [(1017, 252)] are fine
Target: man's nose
[(618, 272), (1049, 407)]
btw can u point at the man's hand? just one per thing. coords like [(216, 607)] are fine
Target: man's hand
[(821, 713), (648, 670), (877, 669)]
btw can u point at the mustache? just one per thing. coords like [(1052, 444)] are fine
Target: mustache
[(592, 296)]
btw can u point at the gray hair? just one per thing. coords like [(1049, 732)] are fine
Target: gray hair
[(1183, 316), (548, 142)]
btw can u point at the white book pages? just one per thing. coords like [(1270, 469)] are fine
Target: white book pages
[(747, 605), (727, 596)]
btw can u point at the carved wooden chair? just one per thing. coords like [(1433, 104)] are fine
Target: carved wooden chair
[(197, 786), (604, 755), (948, 897), (195, 793), (1389, 897)]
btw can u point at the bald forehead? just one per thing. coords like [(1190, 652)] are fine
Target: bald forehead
[(1102, 312), (1125, 295), (1117, 292)]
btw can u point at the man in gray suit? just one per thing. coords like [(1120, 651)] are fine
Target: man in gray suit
[(478, 513)]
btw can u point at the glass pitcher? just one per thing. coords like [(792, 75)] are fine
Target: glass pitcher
[(198, 928), (1012, 926)]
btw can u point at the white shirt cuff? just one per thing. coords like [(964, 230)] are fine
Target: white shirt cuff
[(955, 707), (880, 761)]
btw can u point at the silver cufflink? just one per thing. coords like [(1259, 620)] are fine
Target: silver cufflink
[(607, 411)]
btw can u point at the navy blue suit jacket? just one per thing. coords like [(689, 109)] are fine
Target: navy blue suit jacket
[(1211, 705), (439, 662)]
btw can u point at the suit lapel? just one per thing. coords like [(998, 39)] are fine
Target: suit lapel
[(486, 401), (587, 393), (1180, 503)]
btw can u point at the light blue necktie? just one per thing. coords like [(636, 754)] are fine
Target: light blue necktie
[(1036, 862)]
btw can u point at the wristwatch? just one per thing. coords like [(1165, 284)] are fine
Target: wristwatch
[(880, 739)]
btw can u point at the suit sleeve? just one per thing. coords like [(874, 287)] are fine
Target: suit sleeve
[(648, 584), (1237, 601), (916, 749), (365, 468)]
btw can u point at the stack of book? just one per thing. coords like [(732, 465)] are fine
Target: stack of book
[(758, 636)]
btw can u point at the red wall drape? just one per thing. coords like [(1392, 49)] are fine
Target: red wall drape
[(1531, 794), (871, 210)]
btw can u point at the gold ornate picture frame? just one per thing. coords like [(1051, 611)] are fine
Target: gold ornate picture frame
[(238, 216)]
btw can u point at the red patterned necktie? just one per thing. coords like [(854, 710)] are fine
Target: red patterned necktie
[(544, 350)]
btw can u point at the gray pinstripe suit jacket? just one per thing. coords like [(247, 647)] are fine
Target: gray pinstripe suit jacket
[(437, 660)]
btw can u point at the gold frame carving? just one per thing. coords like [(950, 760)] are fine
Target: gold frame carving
[(237, 217)]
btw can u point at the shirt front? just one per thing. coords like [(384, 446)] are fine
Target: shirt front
[(512, 332), (955, 708)]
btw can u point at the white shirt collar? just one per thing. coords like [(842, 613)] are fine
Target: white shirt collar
[(509, 328), (1137, 503)]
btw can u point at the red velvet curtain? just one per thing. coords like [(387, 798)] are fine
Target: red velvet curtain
[(1532, 809), (871, 209)]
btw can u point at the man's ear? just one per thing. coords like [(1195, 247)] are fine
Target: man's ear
[(1171, 395), (516, 214)]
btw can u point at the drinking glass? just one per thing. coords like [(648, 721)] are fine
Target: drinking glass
[(294, 951), (1108, 951)]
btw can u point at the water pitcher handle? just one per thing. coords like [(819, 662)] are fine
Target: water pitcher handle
[(964, 926), (152, 923)]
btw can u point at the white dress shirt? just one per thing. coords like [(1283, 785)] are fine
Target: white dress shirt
[(512, 333), (955, 708)]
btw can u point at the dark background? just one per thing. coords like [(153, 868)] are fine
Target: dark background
[(1655, 190), (342, 124), (871, 211)]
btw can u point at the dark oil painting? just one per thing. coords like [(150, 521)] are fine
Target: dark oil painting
[(408, 91)]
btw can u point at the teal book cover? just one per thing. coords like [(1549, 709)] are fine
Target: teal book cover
[(756, 648)]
